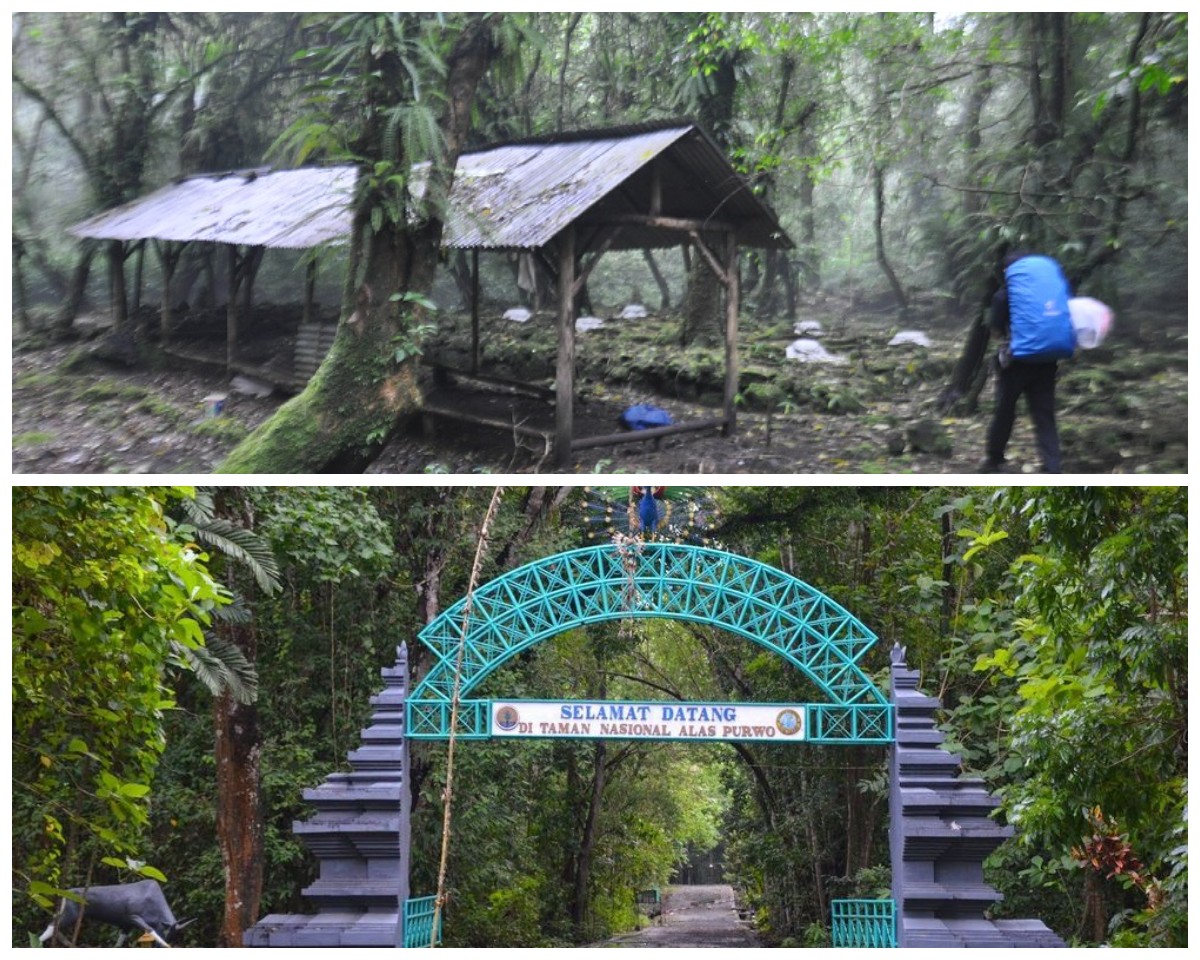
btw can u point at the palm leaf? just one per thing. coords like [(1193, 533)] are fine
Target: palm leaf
[(222, 668), (238, 543)]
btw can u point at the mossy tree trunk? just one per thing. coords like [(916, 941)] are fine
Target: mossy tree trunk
[(700, 309), (367, 385)]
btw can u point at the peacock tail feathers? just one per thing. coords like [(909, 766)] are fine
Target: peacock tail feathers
[(670, 514)]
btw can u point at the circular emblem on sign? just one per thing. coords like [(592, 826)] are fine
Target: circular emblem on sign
[(506, 718), (788, 722)]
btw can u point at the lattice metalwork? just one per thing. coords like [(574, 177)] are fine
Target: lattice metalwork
[(653, 580), (418, 922), (863, 923)]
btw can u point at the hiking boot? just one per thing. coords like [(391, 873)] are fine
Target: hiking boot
[(988, 465)]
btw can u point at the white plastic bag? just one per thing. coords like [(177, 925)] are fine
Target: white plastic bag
[(1091, 320)]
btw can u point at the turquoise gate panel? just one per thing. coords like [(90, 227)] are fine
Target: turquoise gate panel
[(863, 923), (418, 922), (652, 580)]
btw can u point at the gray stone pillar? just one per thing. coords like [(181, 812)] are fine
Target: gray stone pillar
[(941, 831), (361, 834)]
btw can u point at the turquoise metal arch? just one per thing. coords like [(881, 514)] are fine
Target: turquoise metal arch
[(653, 580)]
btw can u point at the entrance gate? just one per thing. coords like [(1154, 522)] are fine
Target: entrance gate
[(361, 831), (652, 580)]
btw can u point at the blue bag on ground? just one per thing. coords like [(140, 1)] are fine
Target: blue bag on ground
[(642, 416), (1039, 316)]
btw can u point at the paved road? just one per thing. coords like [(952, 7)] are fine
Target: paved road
[(694, 917)]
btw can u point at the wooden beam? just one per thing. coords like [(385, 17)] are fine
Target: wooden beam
[(667, 223), (732, 304), (651, 433), (475, 309), (605, 244), (564, 371), (710, 258), (510, 385), (519, 429)]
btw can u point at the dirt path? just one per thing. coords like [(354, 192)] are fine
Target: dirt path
[(694, 917)]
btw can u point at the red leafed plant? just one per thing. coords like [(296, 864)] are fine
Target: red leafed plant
[(1109, 852)]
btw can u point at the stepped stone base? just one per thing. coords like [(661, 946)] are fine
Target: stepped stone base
[(360, 833), (941, 832)]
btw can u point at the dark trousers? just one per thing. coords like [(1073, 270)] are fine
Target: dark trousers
[(1036, 381)]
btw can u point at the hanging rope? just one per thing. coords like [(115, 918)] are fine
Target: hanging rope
[(440, 899)]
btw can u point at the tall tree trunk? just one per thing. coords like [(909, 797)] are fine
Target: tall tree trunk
[(116, 281), (560, 112), (816, 853), (21, 313), (701, 306), (664, 291), (239, 818), (344, 418), (970, 372), (948, 593), (240, 830), (1094, 927), (877, 182), (587, 842), (776, 262), (78, 289), (810, 257)]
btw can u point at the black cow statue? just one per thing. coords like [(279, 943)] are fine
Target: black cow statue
[(131, 907)]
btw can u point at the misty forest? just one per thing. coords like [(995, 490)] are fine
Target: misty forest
[(902, 154)]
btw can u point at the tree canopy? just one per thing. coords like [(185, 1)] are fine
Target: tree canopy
[(1052, 622)]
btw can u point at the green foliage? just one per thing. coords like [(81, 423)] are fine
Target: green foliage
[(106, 596), (511, 915), (1085, 687)]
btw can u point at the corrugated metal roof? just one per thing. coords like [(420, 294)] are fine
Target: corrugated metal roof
[(514, 196), (285, 208), (523, 195), (519, 196)]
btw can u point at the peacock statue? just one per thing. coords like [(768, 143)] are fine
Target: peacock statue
[(675, 514)]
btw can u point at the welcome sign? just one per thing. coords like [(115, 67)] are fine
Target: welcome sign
[(648, 720)]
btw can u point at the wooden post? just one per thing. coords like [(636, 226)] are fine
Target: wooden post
[(139, 265), (564, 373), (474, 309), (732, 297), (254, 258), (231, 309), (310, 289), (168, 255)]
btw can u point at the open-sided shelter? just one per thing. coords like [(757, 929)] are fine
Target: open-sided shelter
[(567, 199)]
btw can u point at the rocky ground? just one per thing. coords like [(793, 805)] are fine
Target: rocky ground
[(1122, 408)]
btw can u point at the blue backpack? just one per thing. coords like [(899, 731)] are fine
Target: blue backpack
[(1039, 317)]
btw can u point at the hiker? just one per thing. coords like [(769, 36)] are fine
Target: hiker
[(1030, 312)]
